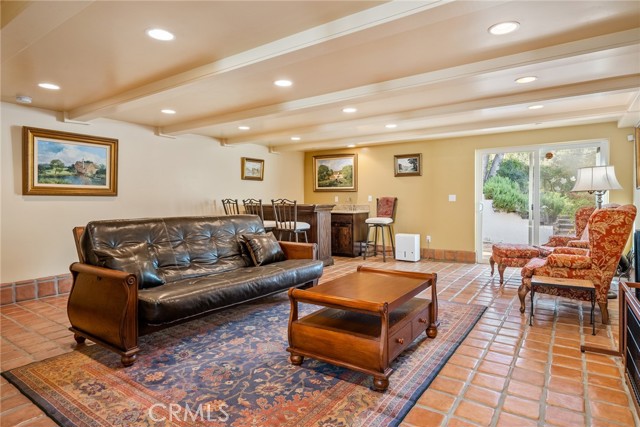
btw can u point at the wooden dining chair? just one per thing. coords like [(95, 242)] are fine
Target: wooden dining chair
[(230, 206), (254, 207)]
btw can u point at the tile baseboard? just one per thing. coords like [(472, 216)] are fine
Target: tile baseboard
[(43, 287)]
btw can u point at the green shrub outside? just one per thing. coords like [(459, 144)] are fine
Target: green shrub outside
[(516, 171), (506, 195)]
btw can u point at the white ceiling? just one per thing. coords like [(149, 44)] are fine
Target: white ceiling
[(429, 67)]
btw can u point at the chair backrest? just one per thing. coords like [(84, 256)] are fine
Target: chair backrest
[(582, 218), (230, 206), (609, 230), (285, 213), (386, 207), (253, 207)]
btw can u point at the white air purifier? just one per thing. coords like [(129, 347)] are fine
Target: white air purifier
[(408, 247)]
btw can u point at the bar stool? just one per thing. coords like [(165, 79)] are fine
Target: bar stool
[(385, 216), (286, 215), (230, 206), (254, 207)]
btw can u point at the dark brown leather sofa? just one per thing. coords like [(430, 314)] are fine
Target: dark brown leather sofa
[(138, 276)]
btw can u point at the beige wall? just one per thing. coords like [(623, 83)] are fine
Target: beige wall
[(157, 177), (448, 168)]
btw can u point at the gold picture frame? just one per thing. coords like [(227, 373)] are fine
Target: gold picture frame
[(58, 163), (637, 137), (407, 164), (252, 169), (335, 172)]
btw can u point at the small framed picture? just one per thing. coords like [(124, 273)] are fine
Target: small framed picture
[(68, 164), (407, 164), (252, 169)]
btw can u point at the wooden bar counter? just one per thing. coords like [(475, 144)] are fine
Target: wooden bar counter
[(319, 217)]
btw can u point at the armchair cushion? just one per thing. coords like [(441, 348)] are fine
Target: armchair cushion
[(568, 261)]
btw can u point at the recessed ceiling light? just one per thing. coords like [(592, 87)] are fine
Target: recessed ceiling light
[(244, 127), (349, 110), (504, 28), (49, 86), (295, 138), (391, 126), (160, 34), (168, 111), (23, 99), (527, 79), (283, 83), (536, 107), (351, 145)]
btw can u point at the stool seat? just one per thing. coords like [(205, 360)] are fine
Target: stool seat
[(269, 224), (377, 220)]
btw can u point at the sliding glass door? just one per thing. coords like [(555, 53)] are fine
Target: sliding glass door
[(524, 195)]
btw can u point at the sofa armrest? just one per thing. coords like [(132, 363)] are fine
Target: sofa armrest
[(294, 250), (103, 307)]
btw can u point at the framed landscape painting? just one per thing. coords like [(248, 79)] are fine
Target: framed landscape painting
[(337, 172), (407, 165), (68, 164), (252, 169)]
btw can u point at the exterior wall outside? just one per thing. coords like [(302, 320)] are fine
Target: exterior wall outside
[(157, 177), (509, 227), (448, 168)]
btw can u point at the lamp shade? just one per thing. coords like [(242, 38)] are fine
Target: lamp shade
[(596, 178)]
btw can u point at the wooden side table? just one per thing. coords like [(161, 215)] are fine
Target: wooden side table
[(558, 282)]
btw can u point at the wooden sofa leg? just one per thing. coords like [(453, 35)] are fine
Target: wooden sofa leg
[(79, 338), (492, 262), (605, 312), (522, 293), (128, 360)]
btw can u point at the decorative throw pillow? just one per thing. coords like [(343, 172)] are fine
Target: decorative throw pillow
[(135, 259), (263, 248)]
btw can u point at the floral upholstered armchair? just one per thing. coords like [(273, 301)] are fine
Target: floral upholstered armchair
[(609, 230), (581, 219)]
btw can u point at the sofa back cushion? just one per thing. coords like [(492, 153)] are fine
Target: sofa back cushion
[(178, 248)]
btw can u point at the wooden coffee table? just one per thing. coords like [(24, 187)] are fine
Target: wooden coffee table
[(369, 318)]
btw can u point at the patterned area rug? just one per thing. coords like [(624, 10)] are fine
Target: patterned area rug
[(232, 369)]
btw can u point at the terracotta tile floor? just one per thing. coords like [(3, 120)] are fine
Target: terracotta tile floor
[(505, 373)]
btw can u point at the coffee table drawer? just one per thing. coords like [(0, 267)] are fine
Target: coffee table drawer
[(399, 341), (420, 323)]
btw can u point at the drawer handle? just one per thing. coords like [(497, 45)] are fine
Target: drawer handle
[(400, 340), (421, 320)]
